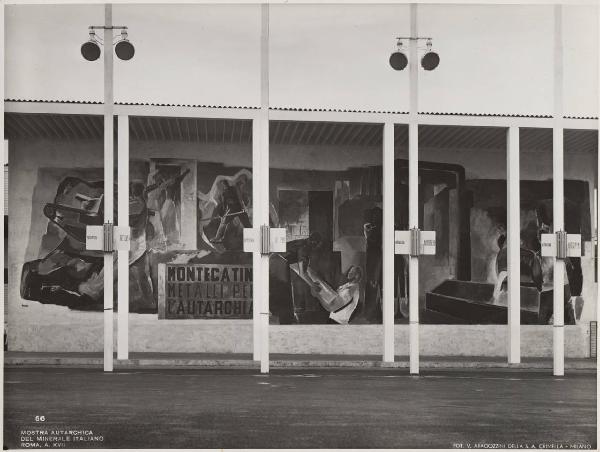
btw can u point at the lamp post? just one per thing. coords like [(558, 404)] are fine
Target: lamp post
[(398, 61), (90, 50)]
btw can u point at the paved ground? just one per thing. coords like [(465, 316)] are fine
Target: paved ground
[(381, 408)]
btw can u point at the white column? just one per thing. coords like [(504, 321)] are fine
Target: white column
[(256, 257), (260, 160), (123, 256), (513, 244), (108, 187), (4, 296), (558, 195), (413, 191), (388, 242)]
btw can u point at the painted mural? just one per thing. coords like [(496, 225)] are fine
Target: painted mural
[(466, 281), (181, 214), (187, 262)]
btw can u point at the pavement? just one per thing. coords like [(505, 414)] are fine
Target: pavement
[(292, 408), (277, 361)]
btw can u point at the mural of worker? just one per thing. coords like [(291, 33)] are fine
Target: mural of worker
[(346, 298), (163, 195), (298, 254), (537, 270), (233, 204)]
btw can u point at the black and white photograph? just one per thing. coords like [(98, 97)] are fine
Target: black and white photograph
[(291, 224)]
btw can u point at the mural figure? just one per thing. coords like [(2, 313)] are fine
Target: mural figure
[(299, 255), (537, 271), (232, 204), (346, 297)]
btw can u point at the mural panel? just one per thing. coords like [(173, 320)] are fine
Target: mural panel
[(330, 203), (184, 214), (187, 218)]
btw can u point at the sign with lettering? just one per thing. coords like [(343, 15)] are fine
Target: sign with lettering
[(121, 236), (204, 291), (94, 238), (574, 245), (277, 237), (250, 240), (427, 242), (549, 245), (402, 242)]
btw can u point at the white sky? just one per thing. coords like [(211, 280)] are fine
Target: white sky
[(494, 58)]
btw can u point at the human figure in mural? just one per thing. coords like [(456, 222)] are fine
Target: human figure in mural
[(572, 265), (373, 234), (299, 252), (348, 296), (167, 199), (533, 268), (233, 203), (141, 233)]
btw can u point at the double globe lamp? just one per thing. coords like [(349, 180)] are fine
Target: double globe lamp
[(429, 61), (124, 49)]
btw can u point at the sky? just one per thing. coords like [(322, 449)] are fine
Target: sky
[(494, 58)]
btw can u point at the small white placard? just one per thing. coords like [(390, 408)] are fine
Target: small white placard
[(427, 242), (402, 242), (574, 245), (121, 237), (94, 238), (548, 245), (250, 240), (277, 237)]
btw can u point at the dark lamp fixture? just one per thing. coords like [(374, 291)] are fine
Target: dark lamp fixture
[(124, 50), (90, 50), (430, 61), (398, 61)]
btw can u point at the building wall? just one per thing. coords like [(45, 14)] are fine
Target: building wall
[(37, 327)]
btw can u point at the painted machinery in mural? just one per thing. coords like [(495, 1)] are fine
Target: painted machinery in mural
[(56, 278), (465, 282), (69, 275), (474, 302), (481, 302)]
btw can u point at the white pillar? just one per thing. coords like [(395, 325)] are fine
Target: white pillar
[(513, 244), (4, 296), (123, 256), (108, 186), (413, 191), (558, 194), (388, 242), (260, 161), (256, 257)]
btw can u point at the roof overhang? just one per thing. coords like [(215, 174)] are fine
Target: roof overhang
[(215, 112)]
